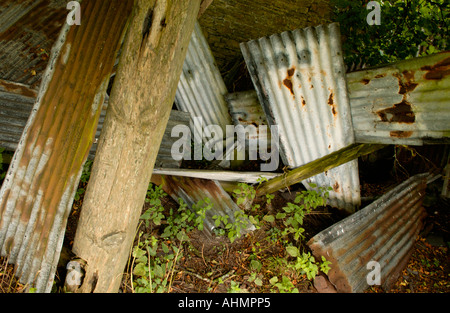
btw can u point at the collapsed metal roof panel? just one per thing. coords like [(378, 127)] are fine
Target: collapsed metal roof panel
[(194, 190), (299, 77), (402, 103), (16, 104), (384, 232), (201, 90), (246, 110), (28, 30)]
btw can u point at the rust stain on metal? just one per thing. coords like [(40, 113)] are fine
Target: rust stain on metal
[(288, 80), (365, 81), (18, 89), (303, 101), (437, 71), (331, 104), (407, 84), (399, 113), (336, 187), (401, 134)]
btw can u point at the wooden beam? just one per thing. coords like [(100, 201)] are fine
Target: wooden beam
[(203, 6), (139, 107), (318, 166), (37, 194)]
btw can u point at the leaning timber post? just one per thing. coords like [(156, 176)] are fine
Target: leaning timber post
[(37, 194), (150, 66), (318, 166)]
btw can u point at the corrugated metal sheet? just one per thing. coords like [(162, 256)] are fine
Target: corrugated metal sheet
[(300, 80), (402, 103), (201, 90), (38, 190), (384, 231), (246, 110), (193, 190), (16, 104), (28, 30), (165, 159)]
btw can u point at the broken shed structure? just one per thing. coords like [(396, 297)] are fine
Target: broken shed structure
[(52, 114)]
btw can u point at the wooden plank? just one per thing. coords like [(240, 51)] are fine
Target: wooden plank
[(318, 166), (139, 107)]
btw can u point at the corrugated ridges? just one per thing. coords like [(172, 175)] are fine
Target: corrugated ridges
[(16, 104), (28, 30), (201, 90), (38, 190), (384, 231), (402, 103), (299, 78)]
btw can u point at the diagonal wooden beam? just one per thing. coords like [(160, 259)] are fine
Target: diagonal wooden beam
[(141, 100), (318, 166)]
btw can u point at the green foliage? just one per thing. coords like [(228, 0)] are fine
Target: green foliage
[(409, 28), (155, 212), (154, 271), (283, 286), (154, 260), (84, 179)]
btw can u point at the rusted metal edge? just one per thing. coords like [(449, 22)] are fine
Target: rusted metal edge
[(299, 77), (402, 103), (384, 232)]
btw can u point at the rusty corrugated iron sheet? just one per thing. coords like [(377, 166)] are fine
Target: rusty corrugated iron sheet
[(299, 77), (384, 231), (16, 104), (194, 190), (38, 190), (28, 30), (402, 103), (201, 90), (246, 110)]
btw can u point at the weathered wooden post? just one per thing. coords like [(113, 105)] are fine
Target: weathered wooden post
[(36, 197), (149, 70)]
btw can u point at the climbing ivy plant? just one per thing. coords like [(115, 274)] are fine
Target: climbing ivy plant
[(408, 28)]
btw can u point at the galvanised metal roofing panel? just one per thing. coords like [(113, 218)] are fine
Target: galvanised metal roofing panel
[(384, 232), (300, 80), (16, 104), (402, 103), (201, 90)]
